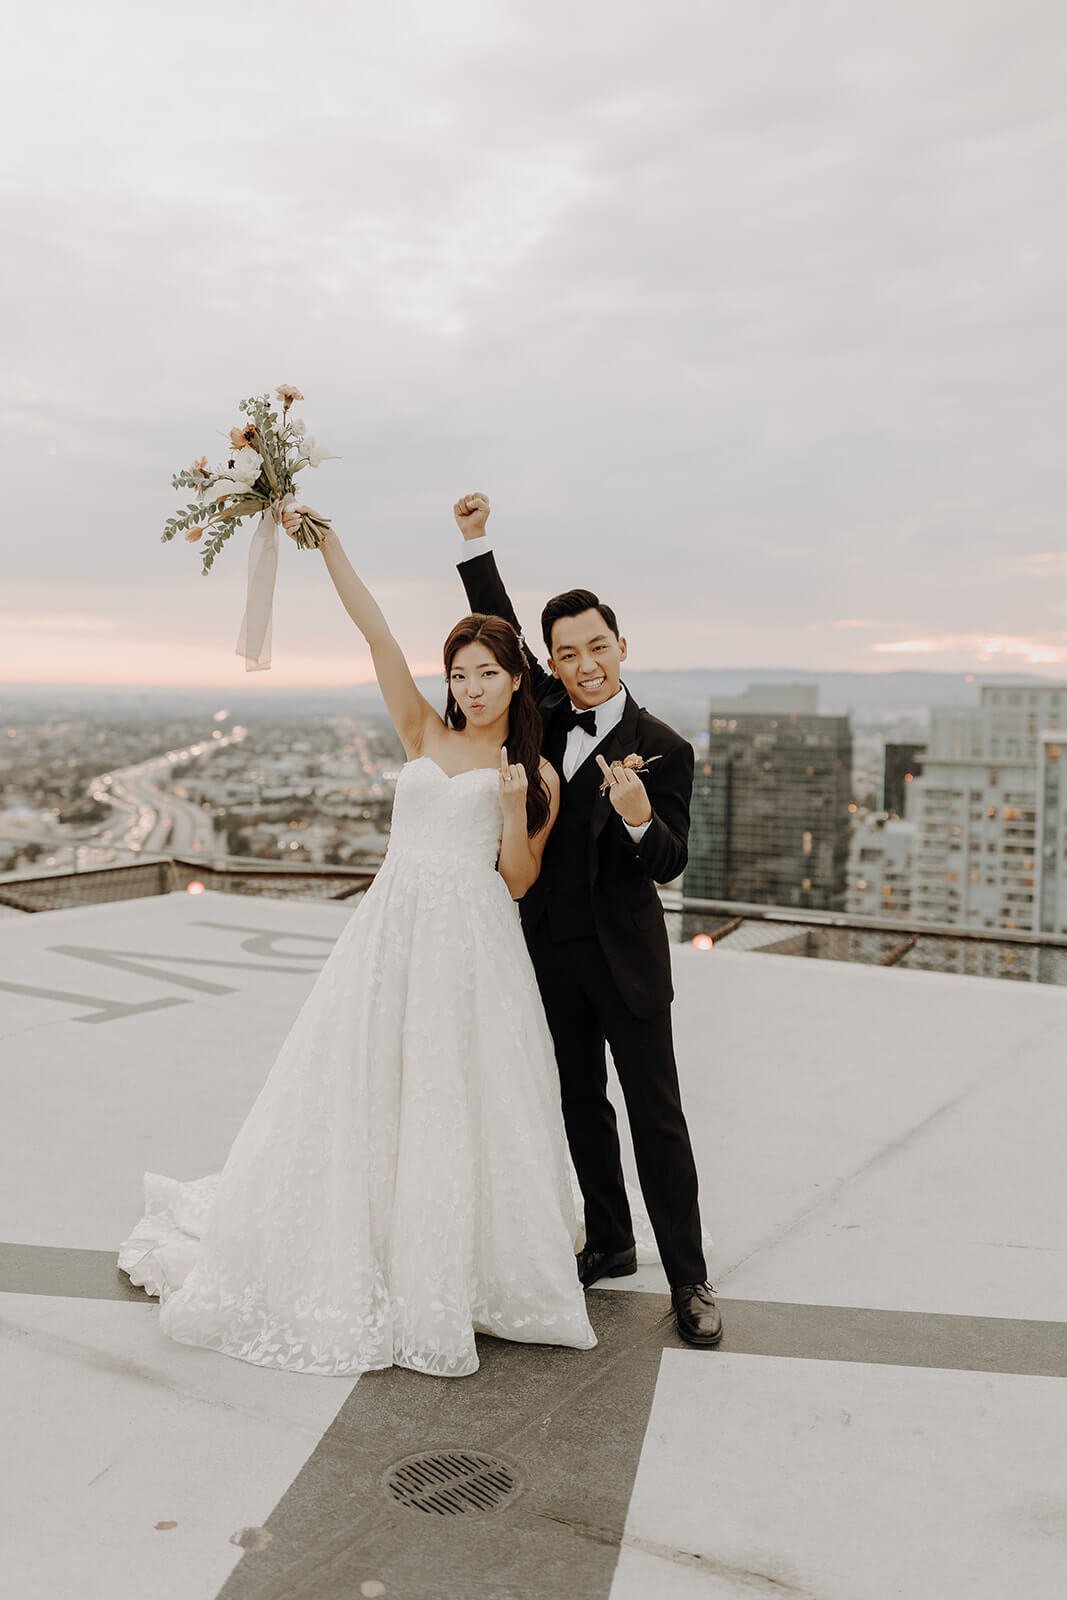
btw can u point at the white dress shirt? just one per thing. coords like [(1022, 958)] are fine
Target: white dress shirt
[(580, 745)]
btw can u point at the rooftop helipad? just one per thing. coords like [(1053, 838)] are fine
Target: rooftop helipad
[(881, 1166)]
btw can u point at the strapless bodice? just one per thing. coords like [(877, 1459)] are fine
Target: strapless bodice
[(456, 821)]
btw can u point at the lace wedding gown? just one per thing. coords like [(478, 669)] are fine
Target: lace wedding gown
[(402, 1178)]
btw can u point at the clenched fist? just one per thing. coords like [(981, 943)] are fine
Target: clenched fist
[(471, 514)]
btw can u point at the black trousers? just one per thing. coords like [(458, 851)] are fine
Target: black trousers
[(584, 1009)]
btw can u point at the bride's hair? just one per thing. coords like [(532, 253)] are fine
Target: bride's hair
[(524, 719)]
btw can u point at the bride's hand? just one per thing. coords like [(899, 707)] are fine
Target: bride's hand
[(289, 515), (471, 513), (512, 786)]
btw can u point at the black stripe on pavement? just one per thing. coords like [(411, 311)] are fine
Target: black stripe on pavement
[(753, 1327)]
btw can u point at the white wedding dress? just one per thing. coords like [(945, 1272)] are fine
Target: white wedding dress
[(402, 1179)]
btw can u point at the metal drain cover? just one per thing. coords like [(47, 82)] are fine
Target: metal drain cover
[(452, 1483)]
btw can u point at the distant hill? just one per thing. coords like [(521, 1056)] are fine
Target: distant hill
[(682, 698)]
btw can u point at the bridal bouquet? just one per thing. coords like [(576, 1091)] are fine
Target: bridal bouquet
[(258, 479), (264, 458)]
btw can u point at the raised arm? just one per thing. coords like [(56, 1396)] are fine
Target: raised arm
[(411, 712), (664, 849), (484, 586)]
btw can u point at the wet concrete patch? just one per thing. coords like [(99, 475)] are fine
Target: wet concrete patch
[(894, 1338), (572, 1424), (74, 1274)]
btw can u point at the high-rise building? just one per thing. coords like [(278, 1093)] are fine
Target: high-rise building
[(770, 817), (901, 765), (706, 863), (989, 813), (880, 868)]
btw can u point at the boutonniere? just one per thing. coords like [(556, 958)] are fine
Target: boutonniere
[(633, 763)]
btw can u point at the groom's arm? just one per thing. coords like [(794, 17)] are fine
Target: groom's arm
[(664, 846), (486, 593)]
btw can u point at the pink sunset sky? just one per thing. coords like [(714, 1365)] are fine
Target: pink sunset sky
[(750, 319)]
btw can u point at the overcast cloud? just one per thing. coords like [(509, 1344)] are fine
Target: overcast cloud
[(751, 318)]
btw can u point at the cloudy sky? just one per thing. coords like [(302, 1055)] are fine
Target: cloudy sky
[(749, 317)]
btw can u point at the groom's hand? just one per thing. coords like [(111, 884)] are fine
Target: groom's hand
[(626, 792), (471, 514)]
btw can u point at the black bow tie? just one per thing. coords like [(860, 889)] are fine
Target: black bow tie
[(571, 718)]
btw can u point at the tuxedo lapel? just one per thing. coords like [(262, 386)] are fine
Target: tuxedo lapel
[(554, 740)]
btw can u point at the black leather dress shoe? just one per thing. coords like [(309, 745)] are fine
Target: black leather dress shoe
[(697, 1315), (594, 1264)]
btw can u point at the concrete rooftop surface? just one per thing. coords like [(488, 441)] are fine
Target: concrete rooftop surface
[(881, 1154)]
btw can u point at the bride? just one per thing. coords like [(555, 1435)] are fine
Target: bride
[(401, 1181)]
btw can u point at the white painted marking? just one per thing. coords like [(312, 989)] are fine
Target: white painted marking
[(819, 1480), (138, 1458)]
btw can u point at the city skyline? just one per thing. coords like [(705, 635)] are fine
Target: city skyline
[(751, 321)]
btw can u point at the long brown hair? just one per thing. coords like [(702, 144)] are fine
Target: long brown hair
[(524, 719)]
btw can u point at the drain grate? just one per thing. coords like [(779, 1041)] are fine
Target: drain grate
[(452, 1483)]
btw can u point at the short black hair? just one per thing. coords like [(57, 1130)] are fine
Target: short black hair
[(572, 604)]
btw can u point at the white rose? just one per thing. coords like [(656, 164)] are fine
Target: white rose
[(298, 428), (246, 465)]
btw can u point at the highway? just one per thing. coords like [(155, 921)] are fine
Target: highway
[(147, 819)]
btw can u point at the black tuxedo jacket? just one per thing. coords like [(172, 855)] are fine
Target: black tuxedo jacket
[(627, 911)]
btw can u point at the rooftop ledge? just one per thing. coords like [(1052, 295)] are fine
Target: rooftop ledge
[(707, 924)]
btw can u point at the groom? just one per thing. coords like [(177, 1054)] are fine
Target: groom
[(595, 930)]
